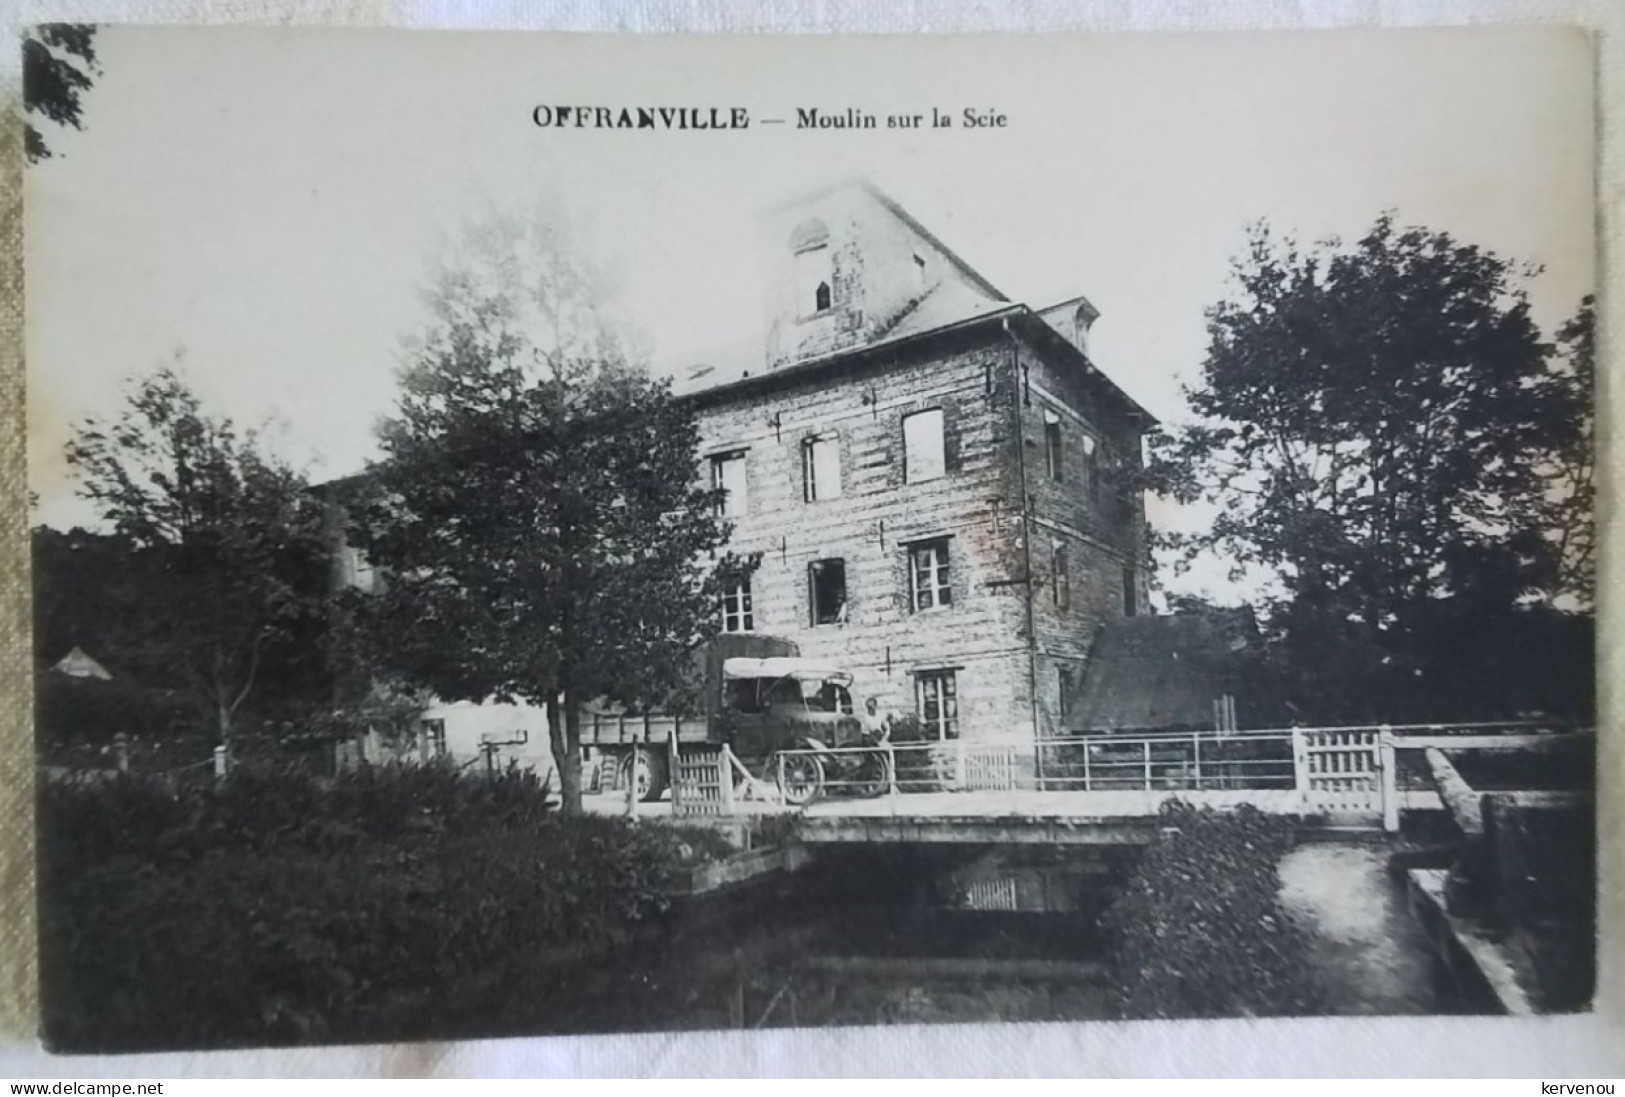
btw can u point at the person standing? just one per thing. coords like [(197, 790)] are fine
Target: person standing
[(877, 725)]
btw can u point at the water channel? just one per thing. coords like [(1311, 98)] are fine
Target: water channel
[(882, 935)]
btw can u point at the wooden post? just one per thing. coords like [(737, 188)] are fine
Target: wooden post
[(1196, 753), (121, 752), (1389, 776), (1086, 749), (632, 781), (780, 757), (891, 768), (220, 763), (1146, 743), (672, 760), (725, 774), (1300, 764), (1466, 804)]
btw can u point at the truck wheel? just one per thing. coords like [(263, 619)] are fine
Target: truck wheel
[(801, 779), (650, 776)]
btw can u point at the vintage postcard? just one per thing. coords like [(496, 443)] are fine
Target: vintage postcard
[(549, 535)]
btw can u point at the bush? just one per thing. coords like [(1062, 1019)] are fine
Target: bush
[(1198, 930), (275, 908)]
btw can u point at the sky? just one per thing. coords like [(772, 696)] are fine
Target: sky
[(265, 203)]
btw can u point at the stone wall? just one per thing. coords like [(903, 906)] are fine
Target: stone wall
[(878, 516), (1080, 520), (984, 387)]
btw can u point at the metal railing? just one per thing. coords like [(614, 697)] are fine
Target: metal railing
[(1349, 769)]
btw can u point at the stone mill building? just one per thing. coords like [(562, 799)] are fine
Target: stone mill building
[(935, 476)]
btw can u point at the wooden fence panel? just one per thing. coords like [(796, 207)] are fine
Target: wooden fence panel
[(702, 782), (1341, 771)]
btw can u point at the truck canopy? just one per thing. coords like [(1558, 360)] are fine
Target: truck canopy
[(805, 670)]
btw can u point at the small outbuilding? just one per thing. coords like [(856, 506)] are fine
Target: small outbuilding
[(1179, 672), (76, 664)]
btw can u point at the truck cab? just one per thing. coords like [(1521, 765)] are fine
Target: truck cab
[(784, 702)]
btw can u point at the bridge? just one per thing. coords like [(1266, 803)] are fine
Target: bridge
[(1091, 789)]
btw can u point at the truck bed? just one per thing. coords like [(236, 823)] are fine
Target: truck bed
[(599, 730)]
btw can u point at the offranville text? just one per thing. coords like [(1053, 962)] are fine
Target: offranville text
[(739, 118)]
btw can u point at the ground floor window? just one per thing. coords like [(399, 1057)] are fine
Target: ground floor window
[(827, 582), (936, 696), (434, 737)]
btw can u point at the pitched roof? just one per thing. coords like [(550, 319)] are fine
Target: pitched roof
[(947, 305), (1165, 672)]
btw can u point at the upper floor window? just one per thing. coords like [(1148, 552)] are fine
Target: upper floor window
[(821, 468), (936, 696), (1052, 444), (826, 581), (1091, 468), (928, 574), (1062, 570), (728, 474), (736, 608), (815, 278), (924, 457), (1131, 592)]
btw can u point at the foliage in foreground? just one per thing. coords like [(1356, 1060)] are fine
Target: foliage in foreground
[(277, 908), (1199, 931)]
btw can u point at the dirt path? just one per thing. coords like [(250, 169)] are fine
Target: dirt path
[(1372, 956)]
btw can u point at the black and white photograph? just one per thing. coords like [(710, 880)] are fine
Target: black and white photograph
[(543, 535)]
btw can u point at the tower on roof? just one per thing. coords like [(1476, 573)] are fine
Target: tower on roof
[(847, 267)]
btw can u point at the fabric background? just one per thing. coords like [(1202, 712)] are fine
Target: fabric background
[(1571, 1047)]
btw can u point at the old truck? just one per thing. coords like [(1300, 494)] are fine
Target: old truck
[(757, 695)]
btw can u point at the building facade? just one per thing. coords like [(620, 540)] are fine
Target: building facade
[(938, 481)]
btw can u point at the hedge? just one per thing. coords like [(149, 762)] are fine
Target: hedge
[(1199, 930), (278, 909)]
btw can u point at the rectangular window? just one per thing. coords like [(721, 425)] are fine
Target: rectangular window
[(1062, 577), (1091, 469), (826, 580), (1064, 704), (937, 699), (821, 468), (928, 574), (1052, 444), (737, 615), (1131, 592), (924, 457), (434, 738), (728, 474), (360, 568)]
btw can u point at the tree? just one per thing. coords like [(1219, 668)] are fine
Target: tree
[(536, 512), (1567, 501), (1376, 429), (59, 62), (226, 554)]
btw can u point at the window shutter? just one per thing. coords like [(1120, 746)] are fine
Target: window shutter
[(951, 459)]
